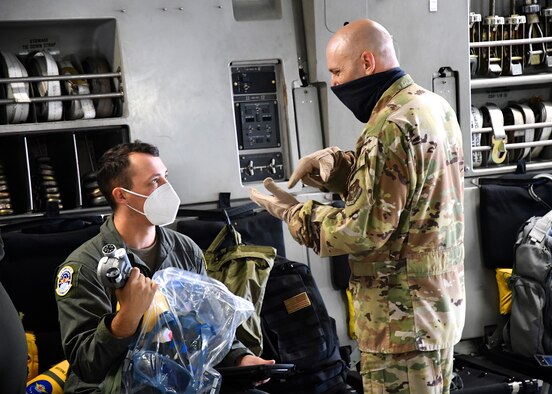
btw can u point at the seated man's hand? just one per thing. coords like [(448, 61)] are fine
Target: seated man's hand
[(249, 359), (134, 298)]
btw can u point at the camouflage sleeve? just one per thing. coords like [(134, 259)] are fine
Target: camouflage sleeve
[(343, 164), (376, 195)]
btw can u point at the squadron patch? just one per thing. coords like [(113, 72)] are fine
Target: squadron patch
[(66, 278), (354, 193)]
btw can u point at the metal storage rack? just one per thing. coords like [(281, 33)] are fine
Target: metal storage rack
[(526, 84), (47, 166)]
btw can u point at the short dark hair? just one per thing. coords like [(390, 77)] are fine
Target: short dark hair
[(114, 163)]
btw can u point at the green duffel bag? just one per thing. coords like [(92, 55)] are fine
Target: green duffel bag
[(244, 269)]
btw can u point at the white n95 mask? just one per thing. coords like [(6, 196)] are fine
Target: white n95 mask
[(161, 206)]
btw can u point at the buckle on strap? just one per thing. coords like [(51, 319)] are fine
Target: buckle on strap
[(498, 154)]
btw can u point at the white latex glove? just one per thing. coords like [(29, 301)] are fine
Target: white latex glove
[(314, 169), (279, 204)]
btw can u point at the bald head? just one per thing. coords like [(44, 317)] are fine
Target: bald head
[(362, 47)]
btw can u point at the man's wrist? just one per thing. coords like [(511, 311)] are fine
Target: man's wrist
[(122, 327), (291, 212)]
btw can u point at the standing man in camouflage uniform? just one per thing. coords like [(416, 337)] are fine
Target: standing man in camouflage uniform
[(402, 224)]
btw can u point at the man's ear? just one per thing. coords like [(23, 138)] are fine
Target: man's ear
[(369, 62), (118, 195)]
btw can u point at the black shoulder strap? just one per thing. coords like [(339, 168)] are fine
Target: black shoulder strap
[(540, 229), (222, 214), (52, 224)]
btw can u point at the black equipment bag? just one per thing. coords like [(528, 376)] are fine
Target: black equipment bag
[(529, 329), (34, 249), (298, 330), (505, 204)]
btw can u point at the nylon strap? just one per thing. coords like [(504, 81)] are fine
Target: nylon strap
[(543, 111), (492, 117), (528, 135), (513, 62), (19, 91), (43, 64), (221, 236), (514, 116), (475, 31), (219, 214), (494, 26), (535, 56), (77, 109), (94, 65), (476, 122), (350, 314), (540, 228), (547, 15)]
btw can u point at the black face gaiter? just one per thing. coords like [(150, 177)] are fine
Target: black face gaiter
[(361, 95)]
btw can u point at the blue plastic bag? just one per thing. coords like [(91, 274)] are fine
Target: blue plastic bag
[(188, 329)]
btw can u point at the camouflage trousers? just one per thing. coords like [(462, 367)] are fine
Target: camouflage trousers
[(407, 373)]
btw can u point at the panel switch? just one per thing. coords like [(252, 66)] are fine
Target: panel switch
[(250, 168)]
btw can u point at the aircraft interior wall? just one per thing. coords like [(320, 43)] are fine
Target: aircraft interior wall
[(195, 74)]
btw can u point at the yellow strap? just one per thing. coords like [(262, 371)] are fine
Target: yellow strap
[(350, 315), (504, 291), (32, 355)]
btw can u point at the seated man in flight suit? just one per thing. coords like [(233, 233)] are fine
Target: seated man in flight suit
[(96, 335)]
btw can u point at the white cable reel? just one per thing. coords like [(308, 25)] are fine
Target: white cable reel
[(543, 111), (513, 115), (43, 64), (18, 91), (527, 135), (96, 65), (76, 109)]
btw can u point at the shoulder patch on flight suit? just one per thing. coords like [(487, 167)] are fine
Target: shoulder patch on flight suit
[(66, 278), (354, 193)]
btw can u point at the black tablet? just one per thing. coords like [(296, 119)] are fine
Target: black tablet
[(544, 360), (255, 373)]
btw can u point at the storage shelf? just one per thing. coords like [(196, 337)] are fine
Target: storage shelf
[(508, 169), (49, 165), (483, 83), (500, 43)]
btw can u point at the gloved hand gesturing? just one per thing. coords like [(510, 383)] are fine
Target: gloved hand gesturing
[(279, 204), (314, 169)]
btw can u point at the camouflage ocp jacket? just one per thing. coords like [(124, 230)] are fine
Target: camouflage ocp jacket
[(402, 224)]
